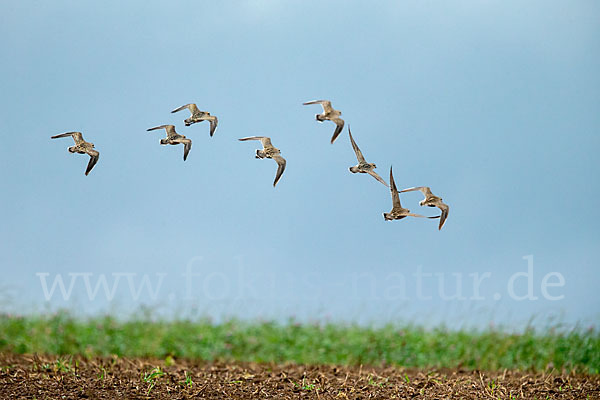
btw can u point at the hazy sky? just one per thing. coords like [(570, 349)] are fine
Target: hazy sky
[(493, 104)]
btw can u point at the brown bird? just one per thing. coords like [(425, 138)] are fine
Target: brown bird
[(398, 212), (81, 147), (198, 116), (269, 151), (431, 200), (363, 166), (174, 138), (329, 114)]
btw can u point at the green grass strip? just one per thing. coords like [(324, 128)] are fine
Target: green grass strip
[(324, 343)]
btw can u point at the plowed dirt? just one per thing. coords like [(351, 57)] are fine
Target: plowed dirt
[(43, 377)]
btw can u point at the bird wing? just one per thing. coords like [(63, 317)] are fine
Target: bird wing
[(157, 127), (423, 189), (359, 154), (191, 106), (445, 210), (421, 216), (169, 128), (251, 138), (266, 142), (77, 136), (213, 124), (263, 139), (280, 168), (376, 176), (338, 129), (394, 190), (94, 155), (187, 146), (326, 104)]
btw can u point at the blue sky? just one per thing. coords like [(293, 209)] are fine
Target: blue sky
[(494, 105)]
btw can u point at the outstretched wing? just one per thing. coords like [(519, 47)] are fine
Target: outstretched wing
[(445, 210), (213, 124), (263, 139), (359, 154), (394, 190), (251, 138), (421, 216), (77, 136), (187, 146), (191, 106), (94, 155), (180, 108), (280, 168), (376, 176), (326, 104), (157, 127), (338, 129), (169, 128), (423, 189)]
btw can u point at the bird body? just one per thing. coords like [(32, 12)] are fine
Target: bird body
[(399, 212), (269, 151), (329, 114), (198, 116), (81, 147), (363, 166), (431, 200), (173, 138)]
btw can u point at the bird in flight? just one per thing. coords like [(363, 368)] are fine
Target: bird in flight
[(269, 151), (81, 147), (363, 166), (329, 114), (398, 212), (431, 200), (198, 116), (174, 138)]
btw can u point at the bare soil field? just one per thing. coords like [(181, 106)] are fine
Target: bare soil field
[(49, 377)]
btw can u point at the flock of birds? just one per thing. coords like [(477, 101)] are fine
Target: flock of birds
[(270, 151)]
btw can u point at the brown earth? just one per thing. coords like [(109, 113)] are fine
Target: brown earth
[(42, 377)]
